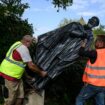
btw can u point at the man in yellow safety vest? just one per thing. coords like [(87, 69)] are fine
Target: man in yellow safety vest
[(12, 69)]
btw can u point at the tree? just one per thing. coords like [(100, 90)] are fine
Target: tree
[(12, 27), (62, 3), (99, 30), (12, 7), (64, 22)]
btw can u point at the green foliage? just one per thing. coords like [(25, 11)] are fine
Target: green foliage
[(99, 31), (12, 7), (1, 100), (64, 22), (12, 27), (62, 3)]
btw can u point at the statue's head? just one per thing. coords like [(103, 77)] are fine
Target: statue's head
[(93, 22)]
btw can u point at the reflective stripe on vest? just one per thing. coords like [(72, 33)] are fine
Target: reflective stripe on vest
[(11, 50), (95, 67), (16, 63), (95, 73), (95, 76)]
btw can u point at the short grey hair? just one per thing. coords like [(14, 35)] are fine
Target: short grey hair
[(27, 37)]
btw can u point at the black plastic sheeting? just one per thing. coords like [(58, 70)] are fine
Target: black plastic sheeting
[(58, 49)]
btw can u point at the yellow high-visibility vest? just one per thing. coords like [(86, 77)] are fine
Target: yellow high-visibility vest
[(11, 67)]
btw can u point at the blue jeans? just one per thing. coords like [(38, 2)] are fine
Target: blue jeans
[(88, 91)]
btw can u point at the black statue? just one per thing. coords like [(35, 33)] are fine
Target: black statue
[(59, 48)]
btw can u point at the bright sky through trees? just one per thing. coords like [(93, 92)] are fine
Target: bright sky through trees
[(45, 17)]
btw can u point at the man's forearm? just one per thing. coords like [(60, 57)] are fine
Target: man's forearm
[(36, 69)]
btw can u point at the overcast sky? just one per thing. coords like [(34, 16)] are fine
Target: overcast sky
[(45, 17)]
